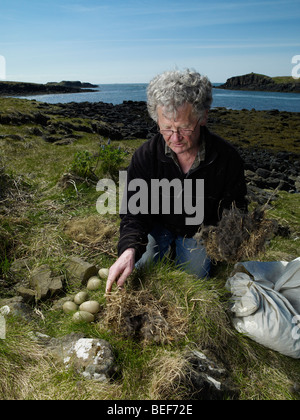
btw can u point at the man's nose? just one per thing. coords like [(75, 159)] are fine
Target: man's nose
[(177, 133)]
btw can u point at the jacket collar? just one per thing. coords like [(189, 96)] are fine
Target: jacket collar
[(210, 152)]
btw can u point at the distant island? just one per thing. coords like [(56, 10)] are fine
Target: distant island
[(261, 82), (26, 89)]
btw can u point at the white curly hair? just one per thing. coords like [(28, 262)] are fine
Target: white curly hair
[(172, 89)]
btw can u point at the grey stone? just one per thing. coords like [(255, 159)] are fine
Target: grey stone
[(40, 280), (264, 173), (56, 285), (297, 184), (19, 308), (19, 265), (43, 283), (209, 378), (28, 295), (91, 357), (79, 270)]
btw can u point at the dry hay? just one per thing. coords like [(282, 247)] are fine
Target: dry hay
[(238, 236), (91, 231), (20, 356), (139, 315), (15, 193), (170, 377)]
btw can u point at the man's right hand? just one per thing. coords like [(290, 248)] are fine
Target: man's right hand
[(121, 269)]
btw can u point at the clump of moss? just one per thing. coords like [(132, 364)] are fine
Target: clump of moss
[(238, 236)]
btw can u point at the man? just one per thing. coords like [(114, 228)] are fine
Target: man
[(185, 151)]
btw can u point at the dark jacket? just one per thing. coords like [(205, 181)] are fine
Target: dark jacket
[(224, 184)]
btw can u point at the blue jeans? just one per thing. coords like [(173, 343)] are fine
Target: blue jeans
[(190, 255)]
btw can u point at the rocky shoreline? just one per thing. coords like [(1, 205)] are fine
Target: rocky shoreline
[(265, 166), (268, 141), (28, 89)]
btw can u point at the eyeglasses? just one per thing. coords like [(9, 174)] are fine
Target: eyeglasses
[(180, 131)]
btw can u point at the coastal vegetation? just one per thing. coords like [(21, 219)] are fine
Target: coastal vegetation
[(50, 161)]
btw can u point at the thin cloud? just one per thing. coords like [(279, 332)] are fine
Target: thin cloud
[(155, 7), (79, 8), (245, 46)]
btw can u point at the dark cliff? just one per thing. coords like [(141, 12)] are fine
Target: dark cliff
[(260, 82), (24, 89)]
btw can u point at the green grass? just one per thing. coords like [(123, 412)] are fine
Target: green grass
[(286, 210), (285, 79), (33, 223)]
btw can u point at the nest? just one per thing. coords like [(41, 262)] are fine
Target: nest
[(137, 314), (94, 233), (238, 236), (90, 230)]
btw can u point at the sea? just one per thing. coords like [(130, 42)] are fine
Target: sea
[(230, 99)]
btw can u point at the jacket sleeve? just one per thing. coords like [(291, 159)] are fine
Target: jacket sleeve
[(134, 228), (235, 185)]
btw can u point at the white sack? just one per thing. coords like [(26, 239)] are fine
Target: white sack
[(266, 303)]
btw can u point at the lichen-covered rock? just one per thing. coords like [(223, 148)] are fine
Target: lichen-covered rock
[(91, 357)]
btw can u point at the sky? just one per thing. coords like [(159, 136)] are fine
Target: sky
[(118, 41)]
